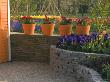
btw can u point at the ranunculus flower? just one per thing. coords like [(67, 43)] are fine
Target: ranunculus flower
[(24, 17), (65, 21), (26, 20), (63, 18)]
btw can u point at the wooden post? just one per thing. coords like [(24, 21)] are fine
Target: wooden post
[(4, 34), (9, 43)]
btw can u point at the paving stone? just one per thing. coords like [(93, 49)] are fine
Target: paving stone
[(29, 72)]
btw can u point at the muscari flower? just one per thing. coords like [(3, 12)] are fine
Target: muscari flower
[(94, 36), (106, 37), (61, 40), (74, 37)]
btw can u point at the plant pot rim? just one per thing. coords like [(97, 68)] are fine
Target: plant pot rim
[(65, 25), (83, 26), (48, 24)]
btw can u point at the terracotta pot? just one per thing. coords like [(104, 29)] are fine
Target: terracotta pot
[(47, 29), (29, 28), (65, 30), (83, 30)]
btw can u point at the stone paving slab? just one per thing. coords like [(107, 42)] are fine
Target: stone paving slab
[(29, 72)]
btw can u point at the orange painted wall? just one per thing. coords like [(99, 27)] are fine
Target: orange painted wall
[(3, 31)]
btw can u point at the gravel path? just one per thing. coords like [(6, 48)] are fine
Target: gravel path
[(28, 72)]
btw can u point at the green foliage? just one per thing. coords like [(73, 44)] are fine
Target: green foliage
[(66, 21), (100, 24), (99, 63), (106, 71), (83, 21), (59, 7), (48, 20), (98, 46)]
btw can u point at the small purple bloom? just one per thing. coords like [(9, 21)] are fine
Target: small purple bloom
[(106, 37), (38, 28), (94, 36)]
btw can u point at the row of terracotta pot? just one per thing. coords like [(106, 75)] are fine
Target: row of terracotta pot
[(48, 29)]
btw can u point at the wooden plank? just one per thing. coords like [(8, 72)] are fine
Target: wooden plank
[(3, 31)]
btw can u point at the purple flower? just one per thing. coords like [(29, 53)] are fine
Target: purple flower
[(94, 36), (38, 28), (16, 25), (88, 39), (37, 20), (61, 40), (74, 38), (106, 37)]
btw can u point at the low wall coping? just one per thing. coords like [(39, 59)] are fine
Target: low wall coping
[(53, 46)]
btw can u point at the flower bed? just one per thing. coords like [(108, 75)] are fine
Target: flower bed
[(94, 43)]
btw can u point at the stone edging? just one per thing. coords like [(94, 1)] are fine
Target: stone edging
[(64, 62), (84, 74)]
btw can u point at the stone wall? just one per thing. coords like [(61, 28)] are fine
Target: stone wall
[(64, 63), (84, 74), (31, 47)]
